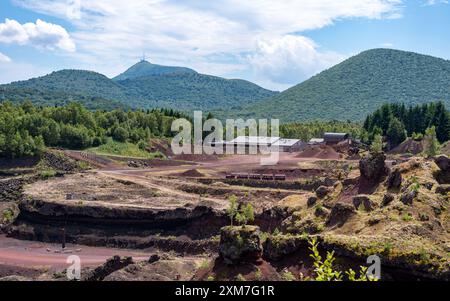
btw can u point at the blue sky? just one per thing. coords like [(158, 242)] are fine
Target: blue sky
[(276, 44)]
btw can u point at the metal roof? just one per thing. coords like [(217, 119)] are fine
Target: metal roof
[(254, 140), (335, 136), (286, 142)]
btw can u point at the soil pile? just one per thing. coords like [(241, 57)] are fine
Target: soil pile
[(320, 152), (408, 146)]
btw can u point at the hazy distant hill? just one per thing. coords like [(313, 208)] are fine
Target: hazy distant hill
[(144, 85), (358, 86)]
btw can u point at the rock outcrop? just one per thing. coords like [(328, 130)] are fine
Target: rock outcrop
[(364, 201), (394, 180), (373, 167), (339, 214), (240, 244)]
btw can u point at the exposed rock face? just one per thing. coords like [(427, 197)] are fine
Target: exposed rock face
[(340, 213), (373, 167), (443, 189), (363, 200), (15, 278), (278, 246), (387, 199), (394, 180), (111, 265), (312, 200), (240, 244)]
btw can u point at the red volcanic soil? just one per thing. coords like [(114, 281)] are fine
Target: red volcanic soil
[(223, 272), (408, 146), (320, 152), (195, 158), (28, 254), (191, 173)]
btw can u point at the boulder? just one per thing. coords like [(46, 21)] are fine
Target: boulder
[(408, 196), (322, 191), (111, 265), (373, 167), (312, 200), (443, 189), (363, 200), (240, 244), (339, 214), (394, 180), (443, 162), (154, 258), (387, 199)]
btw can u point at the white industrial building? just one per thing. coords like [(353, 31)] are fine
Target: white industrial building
[(246, 142)]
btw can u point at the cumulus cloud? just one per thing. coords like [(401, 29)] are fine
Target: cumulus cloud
[(194, 33), (4, 58), (291, 58), (41, 35)]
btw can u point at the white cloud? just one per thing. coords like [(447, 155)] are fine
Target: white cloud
[(291, 59), (4, 58), (41, 35), (193, 32)]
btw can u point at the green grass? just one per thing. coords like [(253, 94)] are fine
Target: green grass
[(125, 149)]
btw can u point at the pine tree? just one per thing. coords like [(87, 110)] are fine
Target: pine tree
[(396, 132)]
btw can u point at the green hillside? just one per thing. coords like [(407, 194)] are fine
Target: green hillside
[(161, 87), (189, 91), (358, 86)]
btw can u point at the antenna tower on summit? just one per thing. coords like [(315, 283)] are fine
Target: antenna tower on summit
[(143, 57)]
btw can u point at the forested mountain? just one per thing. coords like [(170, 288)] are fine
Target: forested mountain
[(190, 91), (144, 85), (144, 68), (359, 85)]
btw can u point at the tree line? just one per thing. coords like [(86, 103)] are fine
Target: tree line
[(25, 129), (397, 122)]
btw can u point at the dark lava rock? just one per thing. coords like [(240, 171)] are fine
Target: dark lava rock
[(394, 180), (340, 213), (322, 191), (311, 201), (154, 258), (443, 162), (443, 189), (408, 197), (387, 199), (364, 200), (240, 244), (373, 167), (111, 265)]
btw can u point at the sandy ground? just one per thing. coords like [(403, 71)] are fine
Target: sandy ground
[(23, 253)]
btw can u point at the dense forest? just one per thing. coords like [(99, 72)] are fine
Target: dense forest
[(396, 122), (25, 129), (315, 129), (360, 84)]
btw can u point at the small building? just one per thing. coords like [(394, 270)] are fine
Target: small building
[(334, 138), (289, 145)]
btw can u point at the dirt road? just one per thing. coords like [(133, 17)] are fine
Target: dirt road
[(23, 253)]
